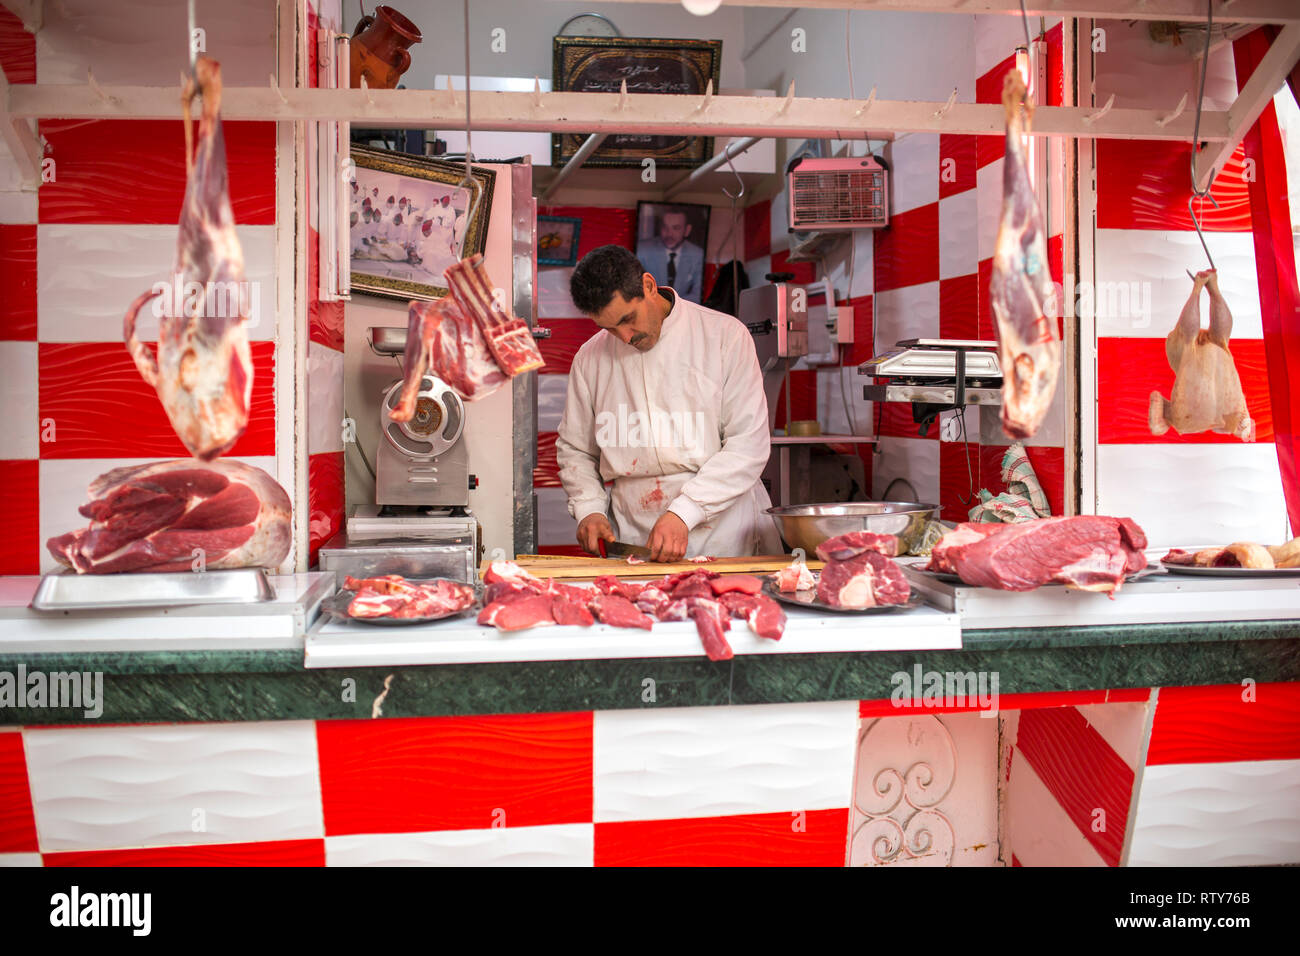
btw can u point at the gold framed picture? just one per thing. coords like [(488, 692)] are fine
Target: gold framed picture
[(409, 216), (602, 64)]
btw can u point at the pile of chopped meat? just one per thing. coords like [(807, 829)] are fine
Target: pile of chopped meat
[(860, 571), (515, 600), (1088, 552), (391, 595)]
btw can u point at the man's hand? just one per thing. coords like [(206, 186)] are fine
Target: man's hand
[(667, 538), (593, 529)]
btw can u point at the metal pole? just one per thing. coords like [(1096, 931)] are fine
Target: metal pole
[(585, 150)]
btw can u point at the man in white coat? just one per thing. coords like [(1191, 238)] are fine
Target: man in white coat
[(667, 404)]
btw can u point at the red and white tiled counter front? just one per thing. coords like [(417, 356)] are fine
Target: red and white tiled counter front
[(1187, 776)]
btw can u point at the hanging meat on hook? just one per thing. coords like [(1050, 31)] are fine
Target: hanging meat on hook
[(1207, 393), (1021, 292), (203, 371)]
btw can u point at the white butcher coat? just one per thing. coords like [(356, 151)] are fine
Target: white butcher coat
[(681, 428)]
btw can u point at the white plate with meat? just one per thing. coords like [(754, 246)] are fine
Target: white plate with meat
[(808, 598), (1212, 572), (391, 600)]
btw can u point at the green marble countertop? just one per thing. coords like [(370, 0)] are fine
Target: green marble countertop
[(274, 685)]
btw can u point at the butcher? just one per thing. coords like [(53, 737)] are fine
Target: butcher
[(667, 403)]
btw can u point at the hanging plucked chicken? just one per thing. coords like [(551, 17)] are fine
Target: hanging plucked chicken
[(1021, 292), (1207, 393), (203, 371)]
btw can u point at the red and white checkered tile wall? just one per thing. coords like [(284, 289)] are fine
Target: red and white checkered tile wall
[(1145, 239), (75, 254)]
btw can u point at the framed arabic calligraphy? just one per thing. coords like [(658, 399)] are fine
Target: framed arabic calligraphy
[(601, 64)]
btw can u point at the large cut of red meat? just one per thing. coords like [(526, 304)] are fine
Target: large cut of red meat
[(867, 579), (203, 370), (441, 339), (1090, 552), (952, 544), (850, 545), (510, 340), (711, 619), (180, 516)]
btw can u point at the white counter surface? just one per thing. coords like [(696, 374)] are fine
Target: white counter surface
[(332, 643), (267, 625)]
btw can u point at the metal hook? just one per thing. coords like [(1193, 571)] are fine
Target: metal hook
[(1197, 222), (708, 97), (365, 89), (275, 88), (622, 94), (789, 99), (452, 91), (725, 192), (1178, 111), (947, 106), (537, 92), (1089, 120), (871, 99)]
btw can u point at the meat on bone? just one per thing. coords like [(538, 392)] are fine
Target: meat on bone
[(203, 371), (867, 579), (1207, 393), (509, 340), (1021, 293), (170, 515)]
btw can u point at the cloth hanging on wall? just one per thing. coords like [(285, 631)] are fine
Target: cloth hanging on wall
[(1275, 270)]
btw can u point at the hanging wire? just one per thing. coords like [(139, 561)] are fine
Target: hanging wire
[(468, 180), (189, 37), (1197, 193), (735, 273)]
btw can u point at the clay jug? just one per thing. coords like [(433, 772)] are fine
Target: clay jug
[(379, 48)]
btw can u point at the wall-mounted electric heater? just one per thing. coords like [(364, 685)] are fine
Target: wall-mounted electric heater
[(835, 195)]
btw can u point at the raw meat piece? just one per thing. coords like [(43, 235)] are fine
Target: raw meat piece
[(669, 582), (520, 613), (651, 600), (845, 546), (510, 340), (509, 571), (611, 584), (153, 518), (618, 611), (944, 553), (1207, 393), (796, 577), (745, 583), (1090, 552), (1021, 292), (1179, 556), (673, 611), (567, 611), (503, 590), (763, 615), (570, 592), (633, 559), (203, 371), (866, 580), (702, 558), (393, 596), (693, 587), (710, 619), (442, 340), (1242, 554)]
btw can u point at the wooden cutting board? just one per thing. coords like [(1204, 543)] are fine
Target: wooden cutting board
[(564, 566)]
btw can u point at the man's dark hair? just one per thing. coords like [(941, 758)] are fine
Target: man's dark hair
[(601, 273)]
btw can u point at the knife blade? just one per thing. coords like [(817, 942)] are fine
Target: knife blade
[(618, 549)]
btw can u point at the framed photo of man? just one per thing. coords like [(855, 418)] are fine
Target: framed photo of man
[(671, 239)]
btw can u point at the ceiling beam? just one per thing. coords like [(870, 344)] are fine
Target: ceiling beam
[(1254, 96), (1227, 11), (586, 113)]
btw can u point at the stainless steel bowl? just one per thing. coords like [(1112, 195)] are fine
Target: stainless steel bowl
[(807, 526)]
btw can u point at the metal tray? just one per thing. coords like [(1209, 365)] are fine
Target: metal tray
[(948, 578), (69, 591), (808, 599), (1232, 572), (336, 606)]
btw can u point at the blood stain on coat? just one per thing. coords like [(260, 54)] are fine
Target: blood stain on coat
[(653, 498)]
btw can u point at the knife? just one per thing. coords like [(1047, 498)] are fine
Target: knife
[(617, 549)]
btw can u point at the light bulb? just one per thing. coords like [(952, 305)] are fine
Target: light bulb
[(701, 8)]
